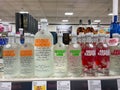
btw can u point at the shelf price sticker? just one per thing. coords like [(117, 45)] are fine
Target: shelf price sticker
[(118, 84), (39, 85), (5, 85), (94, 85), (63, 85)]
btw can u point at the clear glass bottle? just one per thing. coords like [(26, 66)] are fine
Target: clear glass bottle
[(60, 58), (1, 56), (11, 58), (74, 58), (43, 48), (102, 56), (115, 55), (88, 56), (27, 57)]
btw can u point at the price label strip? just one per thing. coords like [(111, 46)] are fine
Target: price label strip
[(5, 85), (118, 83), (63, 85), (94, 85), (39, 85)]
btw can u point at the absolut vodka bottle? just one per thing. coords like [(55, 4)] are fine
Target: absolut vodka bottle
[(43, 48), (88, 56), (74, 58), (114, 44), (11, 58), (102, 56), (60, 58), (27, 58)]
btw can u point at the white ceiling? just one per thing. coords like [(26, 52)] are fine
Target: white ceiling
[(54, 10)]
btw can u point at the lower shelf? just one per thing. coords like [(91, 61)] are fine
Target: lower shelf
[(66, 83)]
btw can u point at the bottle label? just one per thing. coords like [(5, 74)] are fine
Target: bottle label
[(26, 53), (10, 53), (42, 43), (104, 52), (90, 53), (112, 41), (59, 52), (26, 65), (115, 52), (75, 52), (43, 60)]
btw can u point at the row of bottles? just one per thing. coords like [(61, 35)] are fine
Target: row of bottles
[(87, 55)]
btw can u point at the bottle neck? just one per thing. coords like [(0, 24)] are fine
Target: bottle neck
[(88, 39), (27, 39), (11, 39), (60, 39), (74, 39), (102, 39), (18, 40), (44, 26)]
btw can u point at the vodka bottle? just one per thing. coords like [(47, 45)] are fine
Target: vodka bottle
[(60, 58), (115, 55), (43, 48), (88, 56), (102, 56), (74, 58), (11, 58), (1, 56), (27, 58)]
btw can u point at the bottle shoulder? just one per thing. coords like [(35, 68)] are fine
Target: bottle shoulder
[(74, 46), (59, 45), (27, 46), (10, 46), (41, 34)]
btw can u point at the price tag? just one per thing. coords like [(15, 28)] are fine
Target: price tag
[(63, 85), (118, 83), (5, 85), (94, 85), (39, 85)]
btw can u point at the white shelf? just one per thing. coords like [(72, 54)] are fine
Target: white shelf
[(57, 79)]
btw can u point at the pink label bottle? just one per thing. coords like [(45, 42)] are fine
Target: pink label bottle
[(88, 56), (102, 56)]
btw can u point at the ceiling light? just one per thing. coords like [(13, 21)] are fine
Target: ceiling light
[(64, 20), (23, 12), (110, 14), (97, 21), (69, 13)]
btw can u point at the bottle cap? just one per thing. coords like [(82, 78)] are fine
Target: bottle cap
[(17, 35), (32, 35), (60, 34), (21, 31), (115, 35), (43, 20), (27, 34), (11, 34)]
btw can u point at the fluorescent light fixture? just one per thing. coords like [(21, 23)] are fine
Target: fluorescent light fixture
[(65, 20), (97, 21), (110, 14), (69, 13), (23, 12)]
